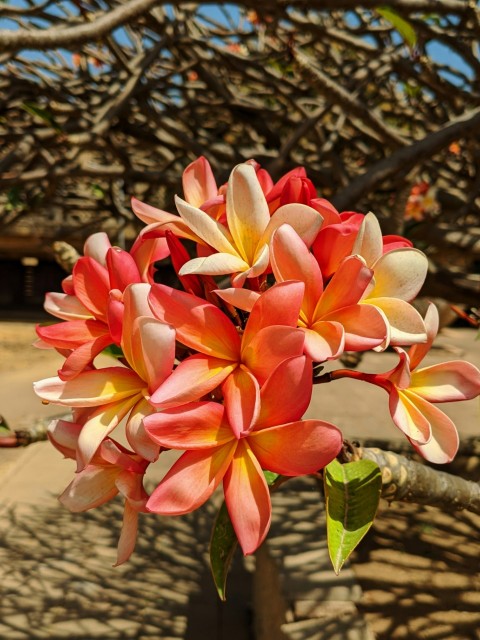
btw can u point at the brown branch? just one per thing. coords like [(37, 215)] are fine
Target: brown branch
[(72, 36), (409, 481), (401, 161)]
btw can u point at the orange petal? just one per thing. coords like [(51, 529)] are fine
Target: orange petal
[(191, 480), (296, 448), (247, 498), (242, 400)]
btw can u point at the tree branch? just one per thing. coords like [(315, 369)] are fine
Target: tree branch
[(409, 481), (71, 37)]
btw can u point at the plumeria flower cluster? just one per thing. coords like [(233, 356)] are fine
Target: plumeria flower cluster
[(273, 281)]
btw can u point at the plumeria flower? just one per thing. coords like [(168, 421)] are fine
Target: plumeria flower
[(113, 470), (241, 247), (91, 304), (239, 362), (215, 451), (332, 318), (113, 393), (412, 391), (398, 277)]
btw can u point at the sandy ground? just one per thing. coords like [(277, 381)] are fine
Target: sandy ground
[(418, 568)]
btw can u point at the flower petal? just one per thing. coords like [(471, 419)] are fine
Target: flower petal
[(305, 221), (137, 437), (406, 324), (294, 378), (191, 480), (90, 488), (368, 242), (101, 421), (92, 286), (316, 444), (271, 346), (217, 264), (241, 298), (247, 211), (291, 260), (418, 351), (196, 425), (443, 445), (365, 326), (324, 340), (279, 305), (408, 415), (192, 379), (346, 287), (198, 182), (199, 324), (128, 534), (446, 382), (153, 350), (400, 274), (247, 499), (90, 388), (241, 399), (209, 230), (66, 307)]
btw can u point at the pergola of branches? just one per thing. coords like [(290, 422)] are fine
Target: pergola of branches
[(102, 100)]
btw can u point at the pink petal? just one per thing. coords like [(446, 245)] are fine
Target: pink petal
[(241, 393), (135, 301), (400, 274), (364, 326), (101, 421), (218, 264), (247, 499), (271, 346), (291, 260), (90, 488), (91, 388), (199, 324), (324, 341), (368, 242), (447, 382), (146, 251), (191, 480), (418, 351), (316, 443), (64, 436), (408, 415), (128, 535), (196, 425), (279, 305), (207, 229), (92, 286), (66, 307), (137, 437), (192, 379), (241, 298), (346, 286), (96, 246), (153, 350), (72, 334), (198, 182), (406, 324), (294, 378), (83, 356), (305, 221), (122, 269), (247, 211), (443, 445)]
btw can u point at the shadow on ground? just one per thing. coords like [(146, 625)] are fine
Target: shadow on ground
[(57, 579), (419, 569)]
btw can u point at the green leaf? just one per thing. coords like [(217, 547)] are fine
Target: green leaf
[(404, 28), (352, 494), (113, 350), (35, 110), (222, 547), (270, 477)]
